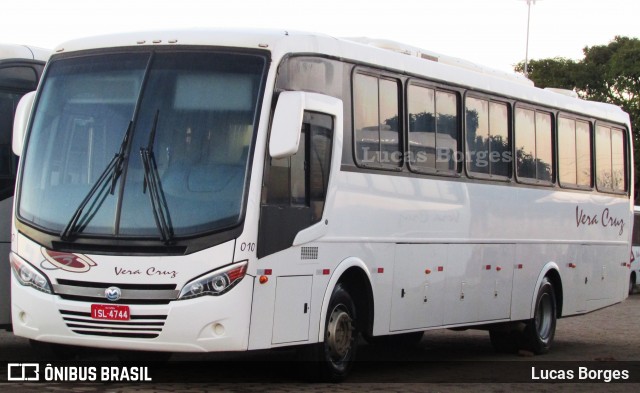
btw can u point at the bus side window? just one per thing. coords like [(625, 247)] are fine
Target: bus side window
[(636, 230), (15, 81), (295, 188)]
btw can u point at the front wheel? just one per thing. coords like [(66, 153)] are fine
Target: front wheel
[(539, 331), (332, 359)]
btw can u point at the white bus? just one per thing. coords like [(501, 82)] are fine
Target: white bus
[(634, 264), (227, 190), (20, 70)]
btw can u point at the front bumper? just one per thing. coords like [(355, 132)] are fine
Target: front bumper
[(203, 324)]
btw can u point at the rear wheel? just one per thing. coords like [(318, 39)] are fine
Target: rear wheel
[(539, 331), (632, 282)]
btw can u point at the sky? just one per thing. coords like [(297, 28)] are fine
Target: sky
[(489, 32)]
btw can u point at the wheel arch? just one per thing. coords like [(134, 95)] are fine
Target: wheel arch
[(355, 276), (552, 271)]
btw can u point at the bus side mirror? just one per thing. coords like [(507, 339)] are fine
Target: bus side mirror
[(287, 121), (20, 121)]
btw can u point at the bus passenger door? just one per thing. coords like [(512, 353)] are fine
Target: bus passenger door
[(294, 188)]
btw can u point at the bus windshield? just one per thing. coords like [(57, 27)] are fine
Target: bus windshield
[(189, 115)]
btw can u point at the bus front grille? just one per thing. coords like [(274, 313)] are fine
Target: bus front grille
[(138, 326), (92, 292)]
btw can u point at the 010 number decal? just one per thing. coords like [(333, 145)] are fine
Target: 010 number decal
[(247, 246)]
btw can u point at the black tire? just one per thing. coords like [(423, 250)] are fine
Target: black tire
[(52, 351), (332, 359), (632, 283), (505, 341), (539, 331)]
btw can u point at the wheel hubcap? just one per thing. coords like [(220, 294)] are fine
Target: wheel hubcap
[(339, 333), (544, 316)]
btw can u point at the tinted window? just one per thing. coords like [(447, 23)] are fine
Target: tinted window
[(19, 78), (447, 127), (574, 152), (544, 147), (433, 129), (376, 121), (636, 230), (610, 162), (488, 141), (583, 153), (8, 161), (533, 145)]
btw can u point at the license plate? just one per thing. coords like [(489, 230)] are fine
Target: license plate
[(110, 312)]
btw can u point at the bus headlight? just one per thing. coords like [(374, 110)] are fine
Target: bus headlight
[(28, 275), (215, 283)]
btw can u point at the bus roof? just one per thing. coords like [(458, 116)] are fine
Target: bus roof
[(13, 51), (379, 53)]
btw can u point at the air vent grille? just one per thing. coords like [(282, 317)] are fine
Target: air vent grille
[(309, 253)]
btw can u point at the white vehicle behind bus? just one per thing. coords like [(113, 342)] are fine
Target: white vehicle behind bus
[(634, 276), (229, 190), (20, 70)]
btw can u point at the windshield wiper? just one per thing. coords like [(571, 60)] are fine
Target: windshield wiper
[(113, 172), (152, 181)]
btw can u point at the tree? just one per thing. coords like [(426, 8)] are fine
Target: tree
[(608, 73)]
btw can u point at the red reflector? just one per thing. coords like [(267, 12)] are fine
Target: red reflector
[(326, 271), (572, 265), (427, 271), (440, 268), (267, 272), (488, 267), (380, 270), (520, 266), (498, 268)]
